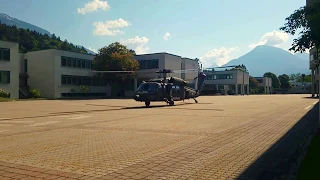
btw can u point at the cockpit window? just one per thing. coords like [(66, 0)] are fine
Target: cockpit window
[(150, 87)]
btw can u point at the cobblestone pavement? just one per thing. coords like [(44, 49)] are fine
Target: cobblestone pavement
[(221, 137)]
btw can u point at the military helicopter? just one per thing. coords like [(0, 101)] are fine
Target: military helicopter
[(168, 89)]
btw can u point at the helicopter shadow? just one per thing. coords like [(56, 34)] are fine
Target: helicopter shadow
[(161, 106)]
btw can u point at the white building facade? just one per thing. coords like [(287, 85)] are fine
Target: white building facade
[(229, 82), (150, 63), (9, 68), (266, 83)]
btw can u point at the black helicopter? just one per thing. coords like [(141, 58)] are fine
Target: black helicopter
[(168, 89)]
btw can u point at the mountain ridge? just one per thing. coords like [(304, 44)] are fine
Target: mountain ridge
[(11, 21), (264, 58)]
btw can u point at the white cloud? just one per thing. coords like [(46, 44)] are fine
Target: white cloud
[(217, 57), (94, 5), (274, 38), (110, 28), (94, 50), (166, 36), (138, 44)]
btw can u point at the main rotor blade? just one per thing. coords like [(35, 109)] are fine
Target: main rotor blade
[(113, 71)]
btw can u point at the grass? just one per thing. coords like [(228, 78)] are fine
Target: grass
[(309, 167)]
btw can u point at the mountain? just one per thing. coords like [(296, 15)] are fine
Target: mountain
[(8, 20), (11, 21), (265, 58), (303, 56)]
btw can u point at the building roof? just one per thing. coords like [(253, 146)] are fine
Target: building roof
[(163, 53)]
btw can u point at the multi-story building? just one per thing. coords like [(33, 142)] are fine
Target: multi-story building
[(300, 88), (314, 67), (150, 63), (266, 83), (58, 73), (9, 68), (232, 81), (55, 73)]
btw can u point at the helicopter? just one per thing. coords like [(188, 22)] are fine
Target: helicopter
[(168, 89)]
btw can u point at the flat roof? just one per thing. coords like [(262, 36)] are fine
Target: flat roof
[(61, 50), (10, 41), (163, 53)]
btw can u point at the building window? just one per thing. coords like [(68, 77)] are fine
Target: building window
[(4, 54), (81, 80), (4, 77), (25, 65), (149, 64), (75, 62), (63, 61)]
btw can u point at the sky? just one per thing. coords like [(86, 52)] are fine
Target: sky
[(215, 31)]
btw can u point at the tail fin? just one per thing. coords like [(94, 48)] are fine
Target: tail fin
[(201, 78)]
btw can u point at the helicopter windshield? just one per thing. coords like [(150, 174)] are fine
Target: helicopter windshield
[(150, 87)]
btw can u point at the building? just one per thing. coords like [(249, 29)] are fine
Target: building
[(266, 83), (228, 82), (55, 73), (9, 68), (300, 88), (314, 67), (150, 63)]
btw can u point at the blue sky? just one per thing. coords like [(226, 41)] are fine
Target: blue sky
[(215, 31)]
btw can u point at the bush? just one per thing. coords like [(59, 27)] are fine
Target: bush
[(84, 89), (35, 93), (4, 93)]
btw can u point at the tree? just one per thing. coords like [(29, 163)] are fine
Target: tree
[(33, 40), (306, 18), (253, 83), (284, 81), (275, 80), (115, 57)]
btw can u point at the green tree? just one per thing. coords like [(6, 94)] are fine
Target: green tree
[(33, 41), (284, 81), (253, 83), (275, 80), (306, 18), (115, 57)]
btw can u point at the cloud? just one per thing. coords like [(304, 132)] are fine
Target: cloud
[(94, 5), (94, 50), (166, 36), (217, 56), (110, 28), (138, 44), (274, 38)]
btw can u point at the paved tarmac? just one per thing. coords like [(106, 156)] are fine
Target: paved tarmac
[(221, 137)]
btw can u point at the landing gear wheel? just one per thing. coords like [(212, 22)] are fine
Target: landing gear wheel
[(171, 103), (147, 103)]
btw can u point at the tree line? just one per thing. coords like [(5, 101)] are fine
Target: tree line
[(34, 41), (280, 83)]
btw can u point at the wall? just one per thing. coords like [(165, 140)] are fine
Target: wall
[(13, 66), (145, 74), (173, 62), (190, 64), (300, 88), (41, 71), (59, 70)]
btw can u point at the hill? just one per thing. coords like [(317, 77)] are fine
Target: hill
[(10, 21), (271, 59), (303, 56), (34, 41)]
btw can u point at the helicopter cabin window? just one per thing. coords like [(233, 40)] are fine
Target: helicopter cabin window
[(149, 64), (150, 87)]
